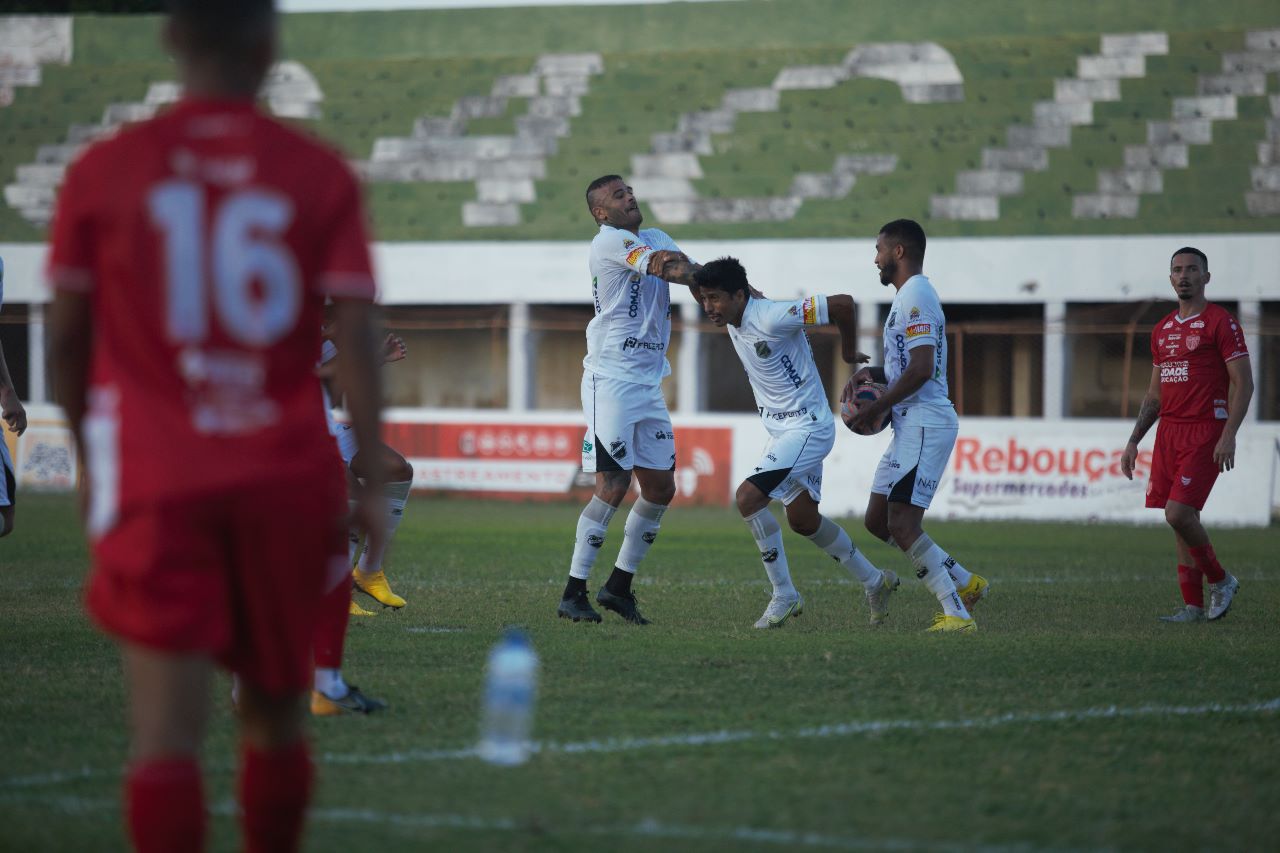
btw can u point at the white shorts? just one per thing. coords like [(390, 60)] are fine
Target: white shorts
[(346, 438), (792, 463), (910, 469), (8, 480), (628, 426)]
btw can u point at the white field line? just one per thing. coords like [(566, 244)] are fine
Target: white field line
[(725, 736), (868, 727), (647, 828)]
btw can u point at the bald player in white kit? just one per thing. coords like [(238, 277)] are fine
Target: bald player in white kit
[(628, 426)]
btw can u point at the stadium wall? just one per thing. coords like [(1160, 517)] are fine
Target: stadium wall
[(1002, 468)]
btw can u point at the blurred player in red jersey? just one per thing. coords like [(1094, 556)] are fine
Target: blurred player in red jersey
[(191, 256), (1200, 388)]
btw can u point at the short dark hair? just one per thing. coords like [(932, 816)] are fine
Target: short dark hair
[(1191, 250), (908, 234), (724, 274), (226, 26), (603, 180)]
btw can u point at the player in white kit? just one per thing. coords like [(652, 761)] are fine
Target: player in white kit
[(770, 340), (628, 427), (924, 424), (15, 418)]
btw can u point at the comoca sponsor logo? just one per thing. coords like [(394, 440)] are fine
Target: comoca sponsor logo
[(769, 556), (649, 537), (792, 374), (633, 308), (1175, 371), (595, 541), (974, 456)]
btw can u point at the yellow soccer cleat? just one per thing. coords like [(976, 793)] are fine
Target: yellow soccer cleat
[(376, 587), (354, 702), (943, 622), (974, 591), (356, 610)]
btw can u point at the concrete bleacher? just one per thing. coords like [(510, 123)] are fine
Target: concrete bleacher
[(925, 73), (289, 90), (504, 168), (1097, 78), (973, 129), (1191, 122)]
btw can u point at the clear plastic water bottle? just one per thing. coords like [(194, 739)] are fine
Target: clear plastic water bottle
[(510, 688)]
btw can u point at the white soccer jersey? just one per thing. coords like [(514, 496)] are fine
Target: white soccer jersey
[(915, 320), (628, 337), (773, 348)]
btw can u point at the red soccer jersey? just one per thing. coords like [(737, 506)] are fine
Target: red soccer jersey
[(1191, 355), (207, 239)]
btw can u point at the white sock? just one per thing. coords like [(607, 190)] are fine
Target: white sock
[(930, 562), (642, 528), (958, 573), (397, 495), (768, 535), (330, 683), (833, 539), (592, 525)]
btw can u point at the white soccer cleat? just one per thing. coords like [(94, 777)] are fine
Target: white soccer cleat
[(878, 598), (780, 610), (1186, 613), (1220, 596)]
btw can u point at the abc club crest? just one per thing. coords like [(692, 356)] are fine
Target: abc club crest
[(1193, 341)]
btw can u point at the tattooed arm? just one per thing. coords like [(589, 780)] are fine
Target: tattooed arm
[(1148, 413)]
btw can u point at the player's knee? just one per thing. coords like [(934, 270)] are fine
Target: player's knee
[(6, 522), (612, 486), (903, 530), (804, 524), (750, 499), (1179, 516), (876, 526), (398, 468), (659, 493)]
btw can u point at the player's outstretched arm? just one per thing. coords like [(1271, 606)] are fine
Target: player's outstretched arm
[(1238, 397), (10, 406), (844, 316), (1148, 413), (673, 266)]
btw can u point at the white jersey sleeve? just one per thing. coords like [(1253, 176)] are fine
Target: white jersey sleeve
[(782, 318)]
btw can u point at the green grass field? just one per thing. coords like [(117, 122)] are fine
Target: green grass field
[(1072, 720)]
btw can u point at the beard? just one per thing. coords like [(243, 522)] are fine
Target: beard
[(888, 271)]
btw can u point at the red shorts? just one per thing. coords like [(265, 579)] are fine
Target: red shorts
[(1182, 466), (237, 576)]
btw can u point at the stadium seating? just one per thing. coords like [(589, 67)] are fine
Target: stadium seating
[(976, 134)]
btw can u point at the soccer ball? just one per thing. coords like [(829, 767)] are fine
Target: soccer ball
[(863, 395)]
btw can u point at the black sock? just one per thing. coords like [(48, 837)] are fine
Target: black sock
[(574, 587), (619, 582)]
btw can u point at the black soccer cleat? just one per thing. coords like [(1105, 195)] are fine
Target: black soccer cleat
[(578, 608), (624, 605)]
